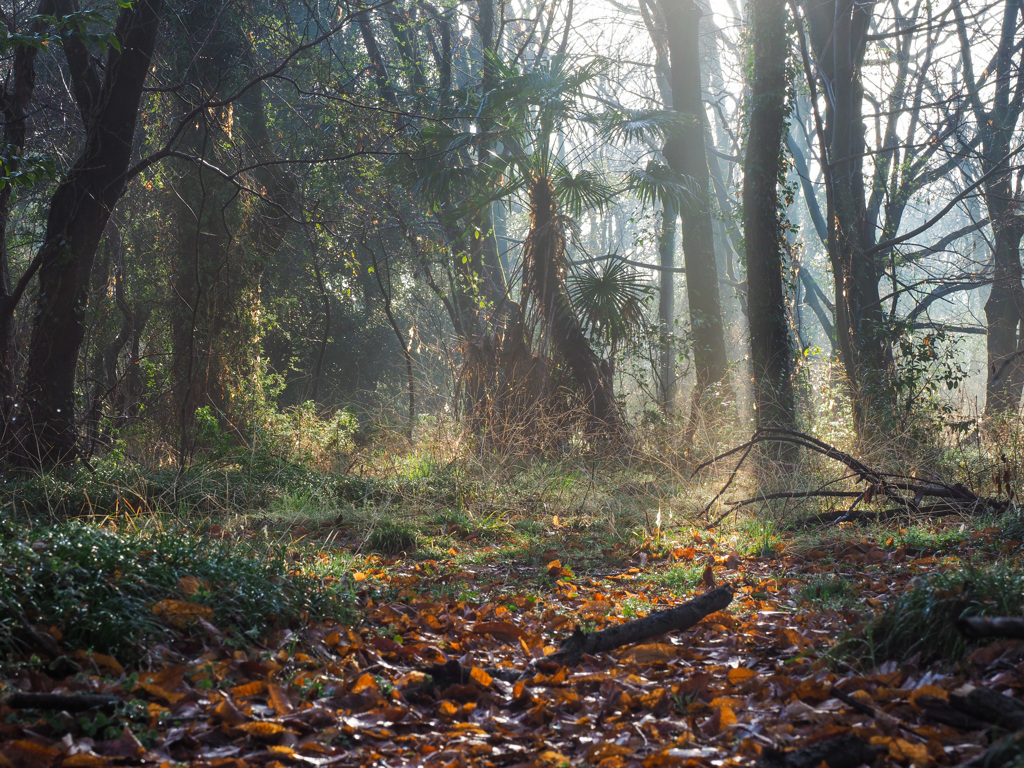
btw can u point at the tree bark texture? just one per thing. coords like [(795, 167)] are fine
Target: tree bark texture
[(14, 101), (686, 155), (78, 214), (667, 309), (544, 273), (838, 33), (1004, 310), (771, 353)]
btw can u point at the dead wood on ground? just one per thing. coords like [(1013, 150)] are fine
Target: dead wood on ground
[(581, 643), (677, 619), (848, 751), (994, 626), (907, 494)]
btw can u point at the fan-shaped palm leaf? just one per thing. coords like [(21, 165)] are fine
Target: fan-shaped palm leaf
[(582, 191), (660, 183), (609, 299), (631, 125)]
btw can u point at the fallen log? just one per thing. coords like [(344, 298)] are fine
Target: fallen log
[(990, 706), (848, 751), (69, 702), (995, 626), (573, 648), (677, 619)]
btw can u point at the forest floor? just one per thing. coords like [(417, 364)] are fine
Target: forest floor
[(797, 658)]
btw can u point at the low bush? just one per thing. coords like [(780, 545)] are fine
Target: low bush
[(99, 589)]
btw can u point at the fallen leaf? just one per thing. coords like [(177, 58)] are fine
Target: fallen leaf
[(180, 614), (740, 675)]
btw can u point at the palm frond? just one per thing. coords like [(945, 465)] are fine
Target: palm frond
[(610, 299), (583, 191), (635, 125), (659, 183)]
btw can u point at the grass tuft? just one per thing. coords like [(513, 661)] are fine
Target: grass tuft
[(392, 538), (923, 619)]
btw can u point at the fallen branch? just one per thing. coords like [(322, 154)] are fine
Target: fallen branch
[(996, 626), (579, 643), (70, 702), (1004, 752), (883, 717), (676, 619), (990, 706), (908, 495), (848, 751)]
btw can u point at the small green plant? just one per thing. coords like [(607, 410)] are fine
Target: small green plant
[(764, 539), (392, 538), (828, 591), (635, 607), (681, 578), (99, 587)]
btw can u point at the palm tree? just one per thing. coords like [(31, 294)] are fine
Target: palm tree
[(526, 114)]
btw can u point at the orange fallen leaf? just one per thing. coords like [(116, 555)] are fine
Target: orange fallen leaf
[(550, 758), (740, 675), (901, 749), (651, 653), (480, 677), (180, 614), (500, 630), (262, 729), (364, 683), (85, 760), (35, 751), (159, 692), (255, 688), (448, 708), (189, 585), (278, 698)]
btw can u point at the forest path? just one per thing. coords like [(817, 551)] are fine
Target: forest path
[(762, 674)]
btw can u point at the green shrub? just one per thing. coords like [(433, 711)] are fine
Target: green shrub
[(99, 587), (923, 619)]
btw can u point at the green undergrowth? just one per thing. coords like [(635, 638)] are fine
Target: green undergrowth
[(98, 589), (829, 591), (923, 620)]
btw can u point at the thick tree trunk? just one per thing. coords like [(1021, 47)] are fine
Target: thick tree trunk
[(771, 354), (78, 214), (667, 309), (1004, 310), (15, 100), (838, 32), (685, 154)]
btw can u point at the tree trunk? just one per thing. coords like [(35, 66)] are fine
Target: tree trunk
[(685, 154), (15, 101), (544, 267), (667, 309), (78, 214), (771, 354), (1004, 310), (838, 32)]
